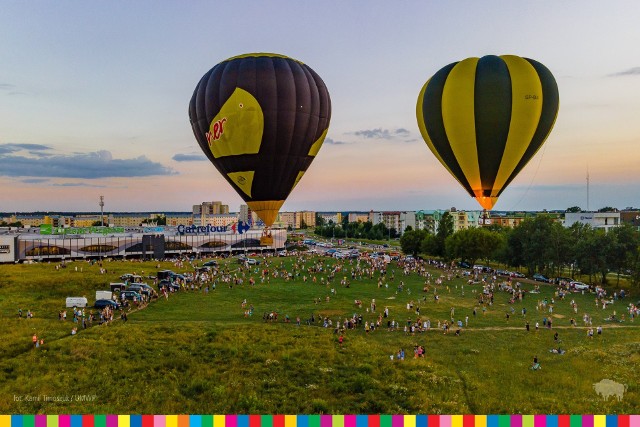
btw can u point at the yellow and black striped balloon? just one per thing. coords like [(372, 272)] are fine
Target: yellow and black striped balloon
[(261, 118), (485, 118)]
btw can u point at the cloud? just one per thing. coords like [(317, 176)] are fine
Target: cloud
[(635, 71), (78, 184), (333, 141), (189, 157), (95, 165), (34, 180), (380, 133), (13, 148), (7, 86)]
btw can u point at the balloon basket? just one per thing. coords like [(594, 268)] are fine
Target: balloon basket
[(266, 241)]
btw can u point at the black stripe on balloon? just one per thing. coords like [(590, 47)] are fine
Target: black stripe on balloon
[(550, 104), (432, 116), (492, 110)]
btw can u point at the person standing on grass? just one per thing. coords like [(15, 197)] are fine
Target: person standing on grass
[(34, 340)]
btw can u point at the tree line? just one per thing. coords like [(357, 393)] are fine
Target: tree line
[(539, 245), (354, 230)]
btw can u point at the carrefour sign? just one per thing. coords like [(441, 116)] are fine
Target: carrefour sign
[(239, 227)]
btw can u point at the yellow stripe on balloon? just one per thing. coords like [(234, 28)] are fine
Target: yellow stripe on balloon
[(316, 145), (459, 119), (526, 107), (243, 180)]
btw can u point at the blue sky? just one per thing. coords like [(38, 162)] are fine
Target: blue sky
[(94, 97)]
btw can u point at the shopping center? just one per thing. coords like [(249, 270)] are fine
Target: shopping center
[(47, 243)]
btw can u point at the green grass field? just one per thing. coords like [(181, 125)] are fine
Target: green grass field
[(197, 353)]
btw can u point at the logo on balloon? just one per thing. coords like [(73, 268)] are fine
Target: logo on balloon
[(217, 129)]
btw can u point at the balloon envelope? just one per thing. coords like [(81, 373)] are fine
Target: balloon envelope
[(485, 118), (261, 118)]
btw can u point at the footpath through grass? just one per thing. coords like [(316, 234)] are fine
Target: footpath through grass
[(199, 353)]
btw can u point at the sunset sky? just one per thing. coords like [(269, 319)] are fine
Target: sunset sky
[(94, 98)]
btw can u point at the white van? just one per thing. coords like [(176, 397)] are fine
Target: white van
[(76, 302), (104, 295)]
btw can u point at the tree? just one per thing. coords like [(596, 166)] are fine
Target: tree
[(472, 244), (445, 229), (411, 241), (320, 222), (574, 209), (607, 209)]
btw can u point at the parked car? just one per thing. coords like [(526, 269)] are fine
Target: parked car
[(540, 278), (102, 303), (130, 295), (579, 286), (464, 264), (169, 284), (559, 280), (141, 288), (212, 263), (518, 275)]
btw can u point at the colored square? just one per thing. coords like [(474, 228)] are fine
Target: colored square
[(159, 421), (563, 421), (302, 421), (41, 421), (634, 420), (445, 420), (16, 421), (135, 421), (349, 421), (362, 421), (278, 421), (170, 421), (255, 421), (230, 421), (421, 421), (123, 421), (206, 420), (433, 421), (492, 421), (373, 421), (457, 421), (540, 421), (623, 421), (480, 420), (28, 421), (183, 420), (89, 421), (516, 420), (611, 421), (64, 421), (147, 421), (111, 421), (5, 421), (325, 420), (314, 420), (337, 421), (587, 421), (218, 421), (385, 421)]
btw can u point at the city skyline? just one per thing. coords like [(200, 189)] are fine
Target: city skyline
[(94, 97)]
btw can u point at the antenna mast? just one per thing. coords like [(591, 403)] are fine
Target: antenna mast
[(102, 210)]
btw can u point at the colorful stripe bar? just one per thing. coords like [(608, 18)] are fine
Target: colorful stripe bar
[(112, 420)]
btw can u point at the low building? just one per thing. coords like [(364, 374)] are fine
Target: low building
[(599, 220)]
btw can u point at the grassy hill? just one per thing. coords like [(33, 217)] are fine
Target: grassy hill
[(199, 353)]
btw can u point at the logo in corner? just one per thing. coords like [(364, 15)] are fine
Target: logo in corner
[(607, 388)]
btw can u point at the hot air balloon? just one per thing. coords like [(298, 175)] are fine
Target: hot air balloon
[(485, 118), (261, 118)]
